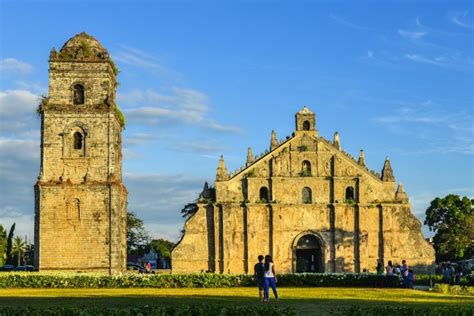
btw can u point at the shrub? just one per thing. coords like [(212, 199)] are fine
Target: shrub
[(199, 280), (424, 279), (150, 310), (406, 310), (453, 289)]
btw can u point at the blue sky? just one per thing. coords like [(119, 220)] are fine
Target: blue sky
[(200, 79)]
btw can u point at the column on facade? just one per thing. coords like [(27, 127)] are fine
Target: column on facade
[(344, 238), (258, 232), (369, 236)]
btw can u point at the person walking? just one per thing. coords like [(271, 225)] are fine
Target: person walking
[(259, 273), (270, 279)]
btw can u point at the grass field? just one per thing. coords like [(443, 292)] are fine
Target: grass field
[(304, 300)]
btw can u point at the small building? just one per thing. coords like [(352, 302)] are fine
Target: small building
[(310, 205)]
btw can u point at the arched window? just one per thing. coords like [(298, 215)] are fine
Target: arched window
[(306, 195), (306, 126), (264, 194), (78, 94), (306, 168), (78, 140), (349, 193)]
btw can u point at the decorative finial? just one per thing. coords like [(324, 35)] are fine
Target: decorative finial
[(221, 170), (337, 141), (401, 195), (362, 158), (274, 141), (250, 157)]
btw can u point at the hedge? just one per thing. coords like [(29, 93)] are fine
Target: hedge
[(424, 279), (201, 310), (453, 289), (200, 280), (216, 310), (406, 311)]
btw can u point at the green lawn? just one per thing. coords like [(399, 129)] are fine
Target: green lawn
[(304, 300)]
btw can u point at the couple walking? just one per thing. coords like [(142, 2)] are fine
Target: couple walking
[(266, 278)]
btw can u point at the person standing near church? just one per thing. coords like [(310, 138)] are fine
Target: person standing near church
[(405, 273), (270, 279), (259, 273)]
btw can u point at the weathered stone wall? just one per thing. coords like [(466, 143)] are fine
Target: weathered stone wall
[(96, 77), (352, 232), (81, 202)]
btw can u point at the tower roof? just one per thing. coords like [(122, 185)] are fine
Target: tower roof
[(81, 47), (305, 110)]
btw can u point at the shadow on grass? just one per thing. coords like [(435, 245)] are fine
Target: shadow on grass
[(303, 306)]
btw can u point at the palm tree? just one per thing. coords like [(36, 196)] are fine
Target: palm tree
[(19, 248)]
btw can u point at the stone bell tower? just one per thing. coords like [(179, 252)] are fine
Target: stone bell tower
[(80, 199)]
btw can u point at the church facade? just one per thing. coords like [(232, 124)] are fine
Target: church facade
[(310, 205), (80, 200)]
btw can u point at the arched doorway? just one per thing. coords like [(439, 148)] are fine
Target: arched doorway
[(309, 254)]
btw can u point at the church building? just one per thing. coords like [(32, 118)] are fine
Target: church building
[(80, 200), (310, 205)]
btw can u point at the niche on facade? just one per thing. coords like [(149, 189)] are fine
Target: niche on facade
[(306, 196), (75, 138), (350, 194), (263, 196), (306, 169), (74, 210), (78, 95)]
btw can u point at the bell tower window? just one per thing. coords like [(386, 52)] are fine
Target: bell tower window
[(78, 94), (78, 141), (306, 126)]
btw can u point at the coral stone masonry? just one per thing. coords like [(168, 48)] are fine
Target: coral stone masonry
[(310, 205), (80, 200)]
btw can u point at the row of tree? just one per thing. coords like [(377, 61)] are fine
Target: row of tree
[(139, 241), (13, 249), (452, 220)]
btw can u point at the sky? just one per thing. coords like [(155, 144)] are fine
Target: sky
[(203, 78)]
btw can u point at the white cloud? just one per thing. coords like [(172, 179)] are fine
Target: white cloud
[(138, 58), (17, 102), (17, 112), (370, 54), (422, 59), (19, 164), (455, 61), (411, 35), (178, 106), (24, 222), (168, 231), (21, 149), (13, 65), (440, 131), (203, 147), (460, 19), (161, 212)]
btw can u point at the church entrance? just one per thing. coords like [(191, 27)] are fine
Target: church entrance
[(309, 255)]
